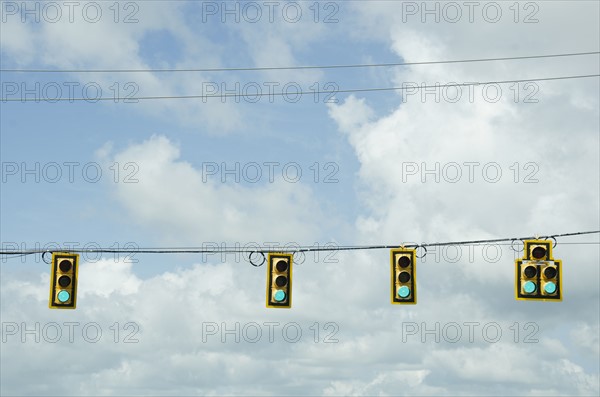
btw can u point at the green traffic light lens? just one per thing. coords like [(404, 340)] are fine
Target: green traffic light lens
[(64, 265), (550, 272), (63, 296), (403, 292), (404, 261), (529, 287), (281, 266), (550, 287), (530, 271), (538, 252), (279, 296)]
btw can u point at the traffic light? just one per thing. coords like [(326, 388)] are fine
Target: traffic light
[(63, 280), (279, 280), (538, 275), (404, 276)]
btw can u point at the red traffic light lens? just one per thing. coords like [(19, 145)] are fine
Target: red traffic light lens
[(64, 265), (404, 261), (538, 252), (281, 266)]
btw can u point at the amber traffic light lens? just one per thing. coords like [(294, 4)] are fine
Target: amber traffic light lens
[(550, 272), (530, 271), (404, 277), (281, 281), (64, 281)]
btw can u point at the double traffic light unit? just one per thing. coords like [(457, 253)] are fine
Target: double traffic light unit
[(404, 276), (63, 280), (279, 280), (538, 275)]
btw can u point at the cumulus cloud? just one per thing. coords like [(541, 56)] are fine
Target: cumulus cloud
[(180, 201), (428, 171)]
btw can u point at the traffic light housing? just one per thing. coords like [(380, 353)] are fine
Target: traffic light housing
[(279, 280), (538, 275), (63, 280), (404, 276)]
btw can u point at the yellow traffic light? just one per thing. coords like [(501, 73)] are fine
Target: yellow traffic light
[(279, 280), (63, 280), (538, 275), (404, 276)]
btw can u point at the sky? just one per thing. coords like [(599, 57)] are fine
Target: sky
[(296, 160)]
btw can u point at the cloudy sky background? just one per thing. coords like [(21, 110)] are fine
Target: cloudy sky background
[(165, 318)]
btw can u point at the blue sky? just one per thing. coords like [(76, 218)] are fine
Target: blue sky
[(392, 168)]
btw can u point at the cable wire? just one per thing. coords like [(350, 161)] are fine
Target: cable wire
[(252, 69), (295, 94), (298, 249)]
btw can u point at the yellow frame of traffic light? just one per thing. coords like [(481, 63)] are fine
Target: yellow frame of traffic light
[(53, 264), (528, 243), (270, 279), (413, 252), (527, 257)]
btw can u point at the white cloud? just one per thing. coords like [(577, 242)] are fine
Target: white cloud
[(109, 45), (194, 331), (193, 326), (176, 199), (107, 277), (587, 336)]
